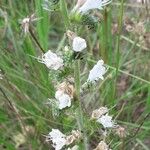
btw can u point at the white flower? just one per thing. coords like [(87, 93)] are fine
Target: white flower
[(76, 147), (141, 1), (93, 4), (64, 100), (97, 72), (52, 61), (106, 121), (79, 44), (78, 5), (57, 138)]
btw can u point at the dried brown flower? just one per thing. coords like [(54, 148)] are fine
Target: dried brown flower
[(99, 112), (120, 131), (67, 88), (102, 146), (75, 135)]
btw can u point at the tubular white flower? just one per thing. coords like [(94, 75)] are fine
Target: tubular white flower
[(52, 61), (78, 5), (64, 100), (106, 121), (79, 44), (93, 4), (97, 72), (58, 139)]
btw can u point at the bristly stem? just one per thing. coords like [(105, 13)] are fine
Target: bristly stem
[(36, 41), (120, 21), (105, 37), (63, 8), (77, 88)]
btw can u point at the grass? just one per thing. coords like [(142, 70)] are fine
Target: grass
[(27, 84)]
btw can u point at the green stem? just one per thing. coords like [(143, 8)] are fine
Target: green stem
[(63, 8), (105, 33), (36, 41), (120, 21), (77, 88)]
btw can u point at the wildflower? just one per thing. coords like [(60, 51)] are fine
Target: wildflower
[(93, 4), (102, 146), (67, 87), (120, 131), (64, 94), (75, 135), (52, 61), (96, 114), (78, 43), (58, 139), (97, 72), (64, 100), (76, 147), (106, 121), (25, 23), (78, 5)]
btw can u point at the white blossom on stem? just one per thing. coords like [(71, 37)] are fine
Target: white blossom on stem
[(93, 4), (106, 121), (97, 72), (58, 139), (78, 5), (52, 61), (79, 44), (64, 100)]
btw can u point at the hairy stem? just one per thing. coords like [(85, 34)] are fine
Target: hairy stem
[(77, 88)]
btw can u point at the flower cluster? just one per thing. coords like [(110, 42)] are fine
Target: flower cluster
[(52, 61), (83, 6), (64, 95), (65, 92), (60, 140), (101, 115)]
